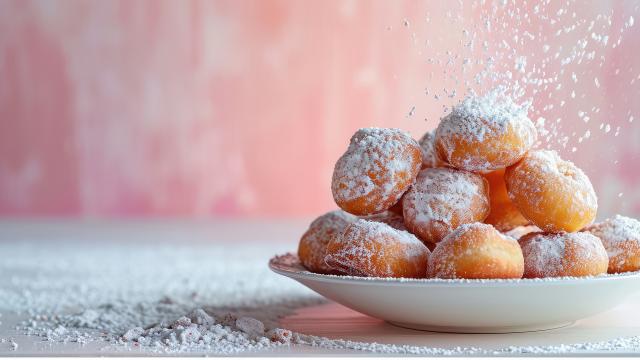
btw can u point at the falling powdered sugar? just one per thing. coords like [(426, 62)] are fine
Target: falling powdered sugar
[(477, 116)]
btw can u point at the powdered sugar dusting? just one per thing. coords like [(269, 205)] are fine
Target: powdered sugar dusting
[(544, 255), (478, 119)]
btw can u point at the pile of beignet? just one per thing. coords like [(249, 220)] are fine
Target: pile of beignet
[(452, 205)]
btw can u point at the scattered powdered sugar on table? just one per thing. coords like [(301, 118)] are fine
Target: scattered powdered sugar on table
[(158, 298), (177, 298), (13, 346)]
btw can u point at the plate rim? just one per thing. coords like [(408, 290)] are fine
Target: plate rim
[(286, 270)]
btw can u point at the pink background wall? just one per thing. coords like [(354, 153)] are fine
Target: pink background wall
[(240, 108)]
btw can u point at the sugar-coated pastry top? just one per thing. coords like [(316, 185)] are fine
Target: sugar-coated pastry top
[(562, 254), (478, 117), (484, 133), (551, 164), (377, 168)]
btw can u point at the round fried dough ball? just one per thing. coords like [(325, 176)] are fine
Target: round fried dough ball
[(374, 172), (485, 133), (443, 199), (620, 236), (476, 251), (563, 254), (552, 193), (370, 248), (313, 245)]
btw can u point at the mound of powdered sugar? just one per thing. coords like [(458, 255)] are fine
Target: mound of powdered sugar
[(167, 298)]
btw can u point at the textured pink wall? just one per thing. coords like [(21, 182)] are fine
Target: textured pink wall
[(240, 108)]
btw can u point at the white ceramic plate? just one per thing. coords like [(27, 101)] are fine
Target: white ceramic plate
[(469, 306)]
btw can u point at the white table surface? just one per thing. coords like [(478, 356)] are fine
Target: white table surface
[(326, 319)]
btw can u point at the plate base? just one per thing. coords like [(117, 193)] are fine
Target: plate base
[(482, 330)]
